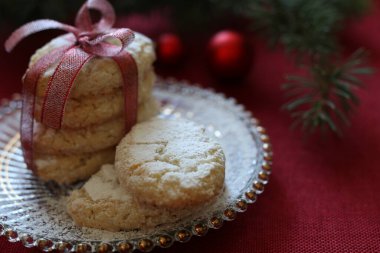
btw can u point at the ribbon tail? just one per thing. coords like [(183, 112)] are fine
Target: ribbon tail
[(34, 27), (60, 85), (28, 99), (128, 69)]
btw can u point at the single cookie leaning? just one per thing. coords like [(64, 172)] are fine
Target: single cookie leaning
[(170, 163), (102, 203)]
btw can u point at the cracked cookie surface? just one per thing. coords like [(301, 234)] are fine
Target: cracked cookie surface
[(170, 163)]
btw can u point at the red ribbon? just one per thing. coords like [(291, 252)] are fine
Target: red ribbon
[(91, 41)]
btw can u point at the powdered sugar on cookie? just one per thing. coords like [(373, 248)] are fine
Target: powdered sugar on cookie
[(102, 203), (104, 186), (170, 163)]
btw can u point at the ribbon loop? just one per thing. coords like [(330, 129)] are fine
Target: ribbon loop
[(104, 45), (107, 16), (83, 24)]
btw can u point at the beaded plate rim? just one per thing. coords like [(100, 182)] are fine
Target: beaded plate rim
[(182, 235)]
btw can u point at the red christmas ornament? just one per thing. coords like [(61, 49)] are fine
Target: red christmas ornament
[(229, 54), (169, 49)]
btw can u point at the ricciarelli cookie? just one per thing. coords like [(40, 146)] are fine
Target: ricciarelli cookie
[(102, 203), (66, 169), (94, 110), (170, 163), (89, 139), (101, 74)]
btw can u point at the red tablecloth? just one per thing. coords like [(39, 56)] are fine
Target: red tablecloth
[(323, 196)]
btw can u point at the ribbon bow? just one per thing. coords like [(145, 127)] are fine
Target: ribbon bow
[(92, 39)]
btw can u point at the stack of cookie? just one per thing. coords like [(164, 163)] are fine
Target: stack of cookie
[(164, 170), (93, 122)]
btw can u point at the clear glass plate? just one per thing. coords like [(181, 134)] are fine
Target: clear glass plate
[(33, 212)]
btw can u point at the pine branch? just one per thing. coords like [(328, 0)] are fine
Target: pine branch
[(326, 98), (308, 29)]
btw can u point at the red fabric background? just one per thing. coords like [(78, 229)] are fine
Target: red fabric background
[(323, 196)]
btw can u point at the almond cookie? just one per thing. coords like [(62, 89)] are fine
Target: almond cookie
[(101, 74), (91, 110), (102, 203), (170, 163), (89, 139), (66, 169)]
